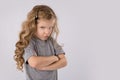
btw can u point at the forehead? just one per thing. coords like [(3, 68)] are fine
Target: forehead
[(45, 22)]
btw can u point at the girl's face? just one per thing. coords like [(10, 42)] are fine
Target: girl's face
[(44, 28)]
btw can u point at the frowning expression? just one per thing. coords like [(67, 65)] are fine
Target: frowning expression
[(44, 28)]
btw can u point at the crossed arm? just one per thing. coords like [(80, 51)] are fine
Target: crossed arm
[(48, 62)]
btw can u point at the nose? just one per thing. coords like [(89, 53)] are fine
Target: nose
[(47, 31)]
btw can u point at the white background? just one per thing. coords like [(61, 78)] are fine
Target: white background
[(90, 32)]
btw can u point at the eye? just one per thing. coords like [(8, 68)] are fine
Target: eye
[(42, 27), (51, 28)]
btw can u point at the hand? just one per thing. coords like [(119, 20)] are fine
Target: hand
[(56, 58)]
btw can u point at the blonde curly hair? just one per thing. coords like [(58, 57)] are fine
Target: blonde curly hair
[(29, 28)]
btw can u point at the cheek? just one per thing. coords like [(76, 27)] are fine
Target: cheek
[(38, 32)]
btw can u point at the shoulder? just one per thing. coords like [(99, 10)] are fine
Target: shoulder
[(31, 42), (55, 43), (52, 40)]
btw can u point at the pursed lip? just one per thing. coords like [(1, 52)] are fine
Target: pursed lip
[(46, 37)]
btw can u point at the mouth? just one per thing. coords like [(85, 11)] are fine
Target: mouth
[(46, 36)]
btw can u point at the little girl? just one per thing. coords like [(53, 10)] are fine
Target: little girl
[(37, 47)]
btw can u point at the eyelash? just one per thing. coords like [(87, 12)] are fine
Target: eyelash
[(49, 27), (42, 27)]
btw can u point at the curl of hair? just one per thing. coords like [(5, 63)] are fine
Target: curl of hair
[(25, 35)]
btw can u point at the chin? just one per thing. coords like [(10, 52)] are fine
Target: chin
[(44, 39)]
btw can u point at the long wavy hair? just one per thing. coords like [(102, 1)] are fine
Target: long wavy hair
[(29, 28)]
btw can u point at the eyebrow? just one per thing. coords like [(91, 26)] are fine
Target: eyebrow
[(46, 26)]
